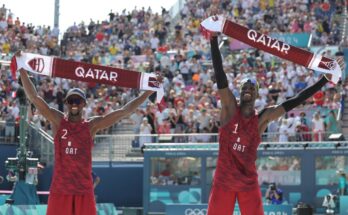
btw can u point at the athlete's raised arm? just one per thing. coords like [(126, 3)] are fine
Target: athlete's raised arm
[(102, 122), (228, 100), (51, 114), (274, 112)]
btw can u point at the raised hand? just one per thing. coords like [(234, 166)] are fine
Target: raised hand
[(212, 25), (18, 53), (340, 61), (336, 74), (159, 77)]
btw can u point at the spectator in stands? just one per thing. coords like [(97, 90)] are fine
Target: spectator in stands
[(318, 98), (272, 131), (214, 125), (10, 125), (3, 11), (332, 126), (302, 132), (164, 128), (260, 103), (137, 119), (318, 127), (303, 118), (145, 132), (36, 119), (73, 138), (203, 119), (205, 137), (151, 120), (172, 119), (274, 92), (283, 131), (292, 121), (342, 183)]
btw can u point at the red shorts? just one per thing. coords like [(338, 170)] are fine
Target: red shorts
[(59, 204), (221, 202)]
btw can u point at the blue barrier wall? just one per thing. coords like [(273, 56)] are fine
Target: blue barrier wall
[(102, 209), (120, 184), (182, 173)]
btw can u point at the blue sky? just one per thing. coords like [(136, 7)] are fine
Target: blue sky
[(41, 12)]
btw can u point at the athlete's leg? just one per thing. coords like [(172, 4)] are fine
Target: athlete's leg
[(221, 202), (250, 202), (60, 204), (85, 205)]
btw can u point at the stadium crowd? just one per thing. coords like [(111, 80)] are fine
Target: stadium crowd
[(144, 41)]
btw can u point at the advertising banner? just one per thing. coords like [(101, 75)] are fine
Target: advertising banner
[(201, 209)]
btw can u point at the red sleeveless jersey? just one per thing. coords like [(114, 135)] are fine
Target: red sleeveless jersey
[(72, 173), (239, 139)]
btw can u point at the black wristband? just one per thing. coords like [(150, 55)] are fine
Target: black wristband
[(304, 95), (220, 76)]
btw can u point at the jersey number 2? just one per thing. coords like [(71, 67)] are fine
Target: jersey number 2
[(65, 131)]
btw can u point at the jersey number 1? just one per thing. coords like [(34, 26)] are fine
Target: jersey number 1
[(235, 128)]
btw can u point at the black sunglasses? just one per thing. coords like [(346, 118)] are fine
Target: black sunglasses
[(72, 101)]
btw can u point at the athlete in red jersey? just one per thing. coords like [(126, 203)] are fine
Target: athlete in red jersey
[(71, 191), (235, 177)]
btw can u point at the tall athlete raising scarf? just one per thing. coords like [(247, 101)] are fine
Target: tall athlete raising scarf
[(56, 67), (271, 45), (235, 177)]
